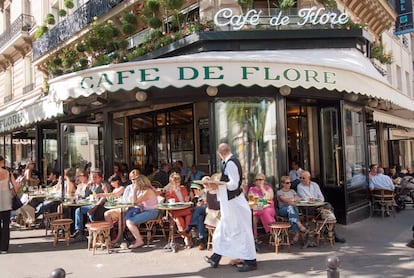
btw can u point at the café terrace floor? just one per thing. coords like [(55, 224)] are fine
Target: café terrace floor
[(375, 247)]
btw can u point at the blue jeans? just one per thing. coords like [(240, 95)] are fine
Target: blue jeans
[(292, 213), (79, 214), (197, 220), (143, 216)]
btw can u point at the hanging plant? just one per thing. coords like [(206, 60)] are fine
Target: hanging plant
[(69, 4), (50, 19), (41, 31), (62, 12)]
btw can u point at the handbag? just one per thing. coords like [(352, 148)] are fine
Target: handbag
[(16, 203)]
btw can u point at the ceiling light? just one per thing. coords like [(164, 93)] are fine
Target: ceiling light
[(141, 96), (212, 91), (285, 90)]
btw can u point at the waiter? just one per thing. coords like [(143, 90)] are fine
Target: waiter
[(233, 236)]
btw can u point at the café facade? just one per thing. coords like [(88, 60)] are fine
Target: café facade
[(309, 94)]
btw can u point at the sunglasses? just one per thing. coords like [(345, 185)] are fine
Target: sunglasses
[(259, 179), (302, 178), (287, 182)]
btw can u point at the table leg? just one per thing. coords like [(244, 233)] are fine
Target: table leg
[(171, 244)]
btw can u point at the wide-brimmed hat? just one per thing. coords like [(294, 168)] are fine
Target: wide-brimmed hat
[(196, 186)]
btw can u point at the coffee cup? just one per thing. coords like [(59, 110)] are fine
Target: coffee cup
[(171, 201)]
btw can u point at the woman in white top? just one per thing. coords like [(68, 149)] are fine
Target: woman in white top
[(5, 205)]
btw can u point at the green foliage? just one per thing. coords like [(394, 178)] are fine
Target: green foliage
[(152, 5), (83, 62), (69, 4), (378, 52), (128, 28), (50, 19), (80, 47), (172, 4), (62, 12), (328, 3), (245, 4), (155, 23), (41, 31), (57, 61), (287, 4), (129, 18)]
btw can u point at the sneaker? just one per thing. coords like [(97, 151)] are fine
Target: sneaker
[(80, 237), (76, 233)]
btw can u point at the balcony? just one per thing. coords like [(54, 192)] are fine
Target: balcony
[(17, 37), (71, 25)]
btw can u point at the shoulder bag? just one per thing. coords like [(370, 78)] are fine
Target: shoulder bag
[(16, 203)]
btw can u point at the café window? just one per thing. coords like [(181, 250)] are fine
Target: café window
[(249, 127)]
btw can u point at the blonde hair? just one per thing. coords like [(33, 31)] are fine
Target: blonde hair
[(175, 176), (143, 182)]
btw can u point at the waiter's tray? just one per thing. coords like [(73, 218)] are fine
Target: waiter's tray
[(208, 182)]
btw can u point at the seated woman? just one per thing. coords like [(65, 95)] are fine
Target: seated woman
[(267, 214), (145, 206), (286, 201), (182, 217)]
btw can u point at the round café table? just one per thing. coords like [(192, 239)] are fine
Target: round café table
[(168, 208), (71, 206), (121, 222), (304, 206)]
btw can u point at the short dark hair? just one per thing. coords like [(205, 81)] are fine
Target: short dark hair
[(115, 178)]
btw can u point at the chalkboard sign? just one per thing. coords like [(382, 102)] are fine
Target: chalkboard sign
[(204, 136)]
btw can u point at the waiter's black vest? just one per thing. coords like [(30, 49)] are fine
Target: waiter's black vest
[(231, 194)]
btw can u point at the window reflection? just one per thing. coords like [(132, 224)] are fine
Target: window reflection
[(249, 126)]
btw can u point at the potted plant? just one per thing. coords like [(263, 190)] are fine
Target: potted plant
[(378, 52), (50, 19), (41, 30), (69, 4), (62, 12)]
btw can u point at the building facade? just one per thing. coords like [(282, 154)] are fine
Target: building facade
[(103, 81)]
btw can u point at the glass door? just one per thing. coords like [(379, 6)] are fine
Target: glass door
[(331, 148), (82, 146)]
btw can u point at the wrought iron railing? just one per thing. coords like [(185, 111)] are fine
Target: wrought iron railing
[(23, 23), (72, 24)]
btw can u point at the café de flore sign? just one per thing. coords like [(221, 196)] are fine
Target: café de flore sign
[(307, 16), (345, 70)]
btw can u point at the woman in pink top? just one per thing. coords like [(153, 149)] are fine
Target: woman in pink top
[(145, 206), (267, 214)]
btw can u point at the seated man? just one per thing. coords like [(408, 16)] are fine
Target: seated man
[(97, 187), (309, 189), (199, 214), (381, 181)]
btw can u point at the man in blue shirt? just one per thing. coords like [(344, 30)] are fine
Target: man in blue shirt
[(381, 181)]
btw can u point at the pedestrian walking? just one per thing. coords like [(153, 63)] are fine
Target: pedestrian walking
[(233, 236), (6, 181)]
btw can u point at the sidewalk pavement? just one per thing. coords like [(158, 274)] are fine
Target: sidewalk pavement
[(375, 247)]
